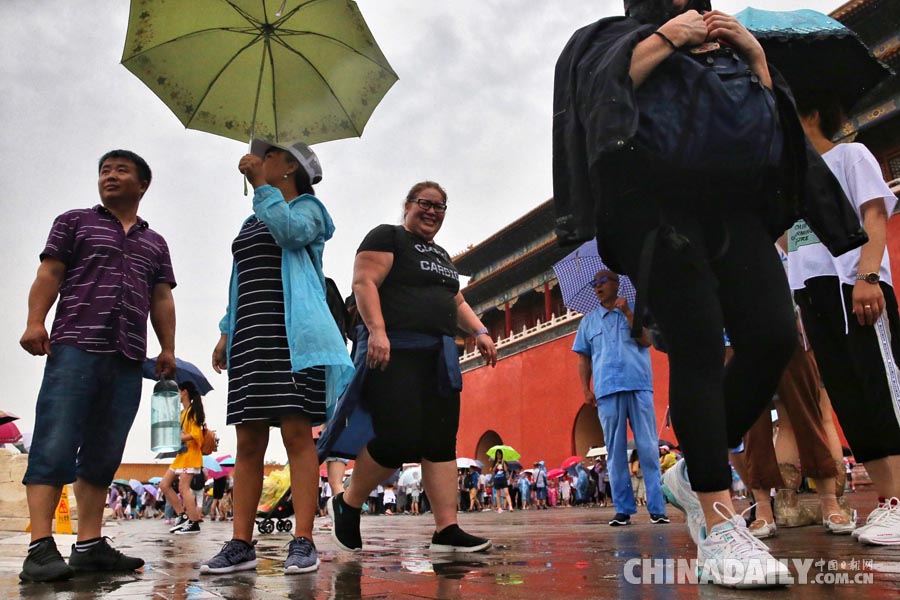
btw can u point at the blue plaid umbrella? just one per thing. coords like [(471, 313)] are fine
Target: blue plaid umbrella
[(576, 272)]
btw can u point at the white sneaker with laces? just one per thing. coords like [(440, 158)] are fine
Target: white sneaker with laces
[(730, 556), (873, 517), (677, 489), (885, 531)]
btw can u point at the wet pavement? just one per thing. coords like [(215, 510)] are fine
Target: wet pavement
[(557, 553)]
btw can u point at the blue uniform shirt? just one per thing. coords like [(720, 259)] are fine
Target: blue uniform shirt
[(618, 363)]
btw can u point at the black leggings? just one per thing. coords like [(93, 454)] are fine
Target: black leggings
[(410, 418), (851, 365), (728, 276)]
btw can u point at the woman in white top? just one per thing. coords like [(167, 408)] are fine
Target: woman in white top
[(850, 314)]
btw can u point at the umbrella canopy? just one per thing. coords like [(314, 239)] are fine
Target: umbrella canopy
[(576, 273), (184, 371), (410, 476), (225, 472), (155, 480), (556, 472), (151, 489), (465, 463), (816, 53), (570, 462), (228, 461), (514, 465), (282, 70), (137, 486), (9, 433), (595, 452), (120, 481), (6, 417), (509, 453), (211, 465)]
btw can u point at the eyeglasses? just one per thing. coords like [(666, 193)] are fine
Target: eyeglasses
[(439, 207), (602, 280)]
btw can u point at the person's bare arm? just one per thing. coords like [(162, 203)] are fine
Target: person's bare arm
[(369, 271), (162, 316), (726, 28), (469, 322), (584, 376), (874, 221), (43, 293), (687, 29)]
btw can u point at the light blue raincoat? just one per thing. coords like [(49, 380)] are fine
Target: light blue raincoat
[(301, 227)]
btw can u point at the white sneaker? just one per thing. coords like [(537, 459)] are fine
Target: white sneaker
[(873, 517), (730, 556), (885, 531), (677, 489)]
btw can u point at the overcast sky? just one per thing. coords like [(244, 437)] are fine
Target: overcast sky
[(472, 110)]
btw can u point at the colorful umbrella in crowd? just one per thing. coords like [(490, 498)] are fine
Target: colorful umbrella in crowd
[(281, 70), (137, 486), (211, 465), (155, 480), (227, 461), (570, 462), (9, 433), (816, 53), (556, 473), (465, 463), (410, 476), (224, 469), (509, 453), (595, 452), (576, 274), (6, 417), (184, 371)]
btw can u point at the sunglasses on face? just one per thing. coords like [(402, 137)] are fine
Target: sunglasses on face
[(602, 280), (426, 205)]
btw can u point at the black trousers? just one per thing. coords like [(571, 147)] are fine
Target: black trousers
[(851, 365), (723, 274)]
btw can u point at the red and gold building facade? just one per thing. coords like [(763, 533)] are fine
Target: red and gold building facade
[(532, 400)]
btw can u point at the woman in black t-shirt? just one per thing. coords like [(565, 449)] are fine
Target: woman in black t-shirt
[(406, 285)]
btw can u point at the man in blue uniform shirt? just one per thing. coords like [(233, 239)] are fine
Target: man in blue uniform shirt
[(622, 391)]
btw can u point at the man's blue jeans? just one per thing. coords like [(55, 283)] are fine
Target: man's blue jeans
[(84, 412), (616, 411)]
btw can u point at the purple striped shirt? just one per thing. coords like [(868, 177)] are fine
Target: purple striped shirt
[(105, 297)]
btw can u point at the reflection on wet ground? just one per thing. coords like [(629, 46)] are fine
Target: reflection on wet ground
[(562, 553)]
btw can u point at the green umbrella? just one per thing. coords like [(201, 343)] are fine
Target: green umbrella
[(509, 453), (120, 481), (281, 70)]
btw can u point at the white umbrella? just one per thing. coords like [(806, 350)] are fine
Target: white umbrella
[(465, 463), (410, 476), (595, 452)]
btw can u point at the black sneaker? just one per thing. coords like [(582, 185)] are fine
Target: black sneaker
[(235, 555), (620, 520), (189, 527), (345, 524), (659, 519), (103, 557), (179, 522), (45, 563), (454, 539)]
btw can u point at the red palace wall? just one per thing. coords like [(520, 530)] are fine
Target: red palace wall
[(531, 399)]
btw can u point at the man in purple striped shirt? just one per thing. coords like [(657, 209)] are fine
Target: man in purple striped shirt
[(109, 271)]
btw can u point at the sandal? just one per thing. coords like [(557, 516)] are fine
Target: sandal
[(762, 529)]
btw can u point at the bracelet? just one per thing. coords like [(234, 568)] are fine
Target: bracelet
[(481, 331), (666, 39)]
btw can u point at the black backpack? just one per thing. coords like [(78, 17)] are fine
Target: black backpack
[(337, 306), (704, 112)]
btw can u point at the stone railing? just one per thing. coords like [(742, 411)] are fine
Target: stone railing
[(518, 337)]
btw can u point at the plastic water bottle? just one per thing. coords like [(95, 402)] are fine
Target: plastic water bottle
[(165, 412)]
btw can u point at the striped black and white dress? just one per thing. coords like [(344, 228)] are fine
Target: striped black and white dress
[(261, 386)]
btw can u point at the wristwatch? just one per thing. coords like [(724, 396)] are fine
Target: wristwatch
[(872, 278)]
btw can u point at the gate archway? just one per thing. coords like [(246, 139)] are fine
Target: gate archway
[(586, 432), (488, 438)]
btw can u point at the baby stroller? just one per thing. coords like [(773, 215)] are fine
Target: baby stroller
[(275, 506)]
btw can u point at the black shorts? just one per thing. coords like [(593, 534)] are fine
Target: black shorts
[(411, 420)]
